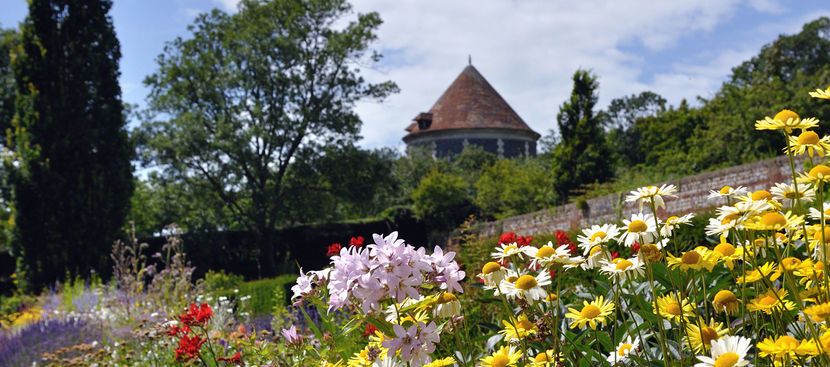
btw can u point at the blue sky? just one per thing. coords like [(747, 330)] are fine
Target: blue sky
[(528, 50)]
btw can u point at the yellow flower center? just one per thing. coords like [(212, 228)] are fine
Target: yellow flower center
[(673, 308), (761, 195), (707, 334), (545, 251), (819, 171), (730, 217), (725, 249), (499, 360), (541, 358), (594, 250), (767, 300), (728, 359), (817, 235), (790, 263), (490, 267), (624, 264), (524, 324), (690, 258), (793, 195), (725, 190), (526, 282), (446, 298), (624, 349), (808, 138), (773, 219), (589, 312), (637, 226), (598, 234), (786, 115), (788, 342), (725, 297), (552, 297)]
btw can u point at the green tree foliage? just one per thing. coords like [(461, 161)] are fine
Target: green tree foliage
[(8, 38), (511, 187), (442, 199), (247, 92), (582, 155), (72, 177)]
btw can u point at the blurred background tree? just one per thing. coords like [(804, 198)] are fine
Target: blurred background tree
[(71, 168)]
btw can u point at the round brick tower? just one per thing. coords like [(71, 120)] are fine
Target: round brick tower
[(471, 112)]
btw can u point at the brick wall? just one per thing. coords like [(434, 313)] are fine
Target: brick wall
[(691, 197)]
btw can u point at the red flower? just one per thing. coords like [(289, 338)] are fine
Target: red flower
[(334, 249), (189, 348), (370, 330), (635, 247), (196, 315), (236, 358), (507, 238), (523, 241), (552, 273), (175, 330), (356, 241), (614, 255)]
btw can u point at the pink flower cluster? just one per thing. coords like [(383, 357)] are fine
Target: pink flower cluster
[(387, 269), (415, 343)]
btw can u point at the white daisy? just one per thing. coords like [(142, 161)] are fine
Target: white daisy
[(626, 347), (727, 351), (786, 193), (505, 250), (727, 192), (816, 214), (646, 194), (640, 228), (594, 258), (623, 268), (528, 287), (673, 222), (547, 254), (596, 235)]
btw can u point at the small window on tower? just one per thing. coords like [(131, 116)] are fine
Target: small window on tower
[(424, 120)]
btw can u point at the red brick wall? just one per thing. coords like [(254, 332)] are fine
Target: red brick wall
[(691, 197)]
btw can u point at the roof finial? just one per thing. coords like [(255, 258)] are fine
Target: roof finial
[(469, 59)]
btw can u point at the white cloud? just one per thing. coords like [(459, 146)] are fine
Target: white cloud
[(529, 50), (228, 5)]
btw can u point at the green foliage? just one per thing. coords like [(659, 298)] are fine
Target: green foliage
[(247, 92), (512, 187), (267, 294), (72, 175), (219, 283), (582, 155), (441, 199)]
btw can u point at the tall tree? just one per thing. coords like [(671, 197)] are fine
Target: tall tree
[(248, 91), (73, 179), (582, 155)]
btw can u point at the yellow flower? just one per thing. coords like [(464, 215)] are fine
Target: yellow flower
[(443, 362), (774, 221), (790, 264), (517, 329), (819, 312), (726, 252), (786, 120), (809, 142), (673, 307), (772, 300), (726, 301), (701, 334), (769, 270), (545, 359), (699, 258), (503, 357), (592, 313), (821, 93), (818, 174), (810, 272), (784, 348)]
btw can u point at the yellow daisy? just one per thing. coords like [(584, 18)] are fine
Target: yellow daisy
[(786, 120), (443, 362), (505, 356), (784, 348), (809, 142), (771, 300), (821, 93), (701, 334), (769, 270), (697, 259), (517, 329), (774, 221), (673, 307), (819, 312), (818, 174), (545, 359), (592, 313), (726, 301)]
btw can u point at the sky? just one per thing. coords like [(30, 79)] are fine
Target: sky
[(528, 50)]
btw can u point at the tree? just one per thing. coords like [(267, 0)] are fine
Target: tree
[(73, 178), (512, 187), (442, 200), (8, 39), (582, 155), (248, 91)]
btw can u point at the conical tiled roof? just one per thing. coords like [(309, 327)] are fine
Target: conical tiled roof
[(470, 102)]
